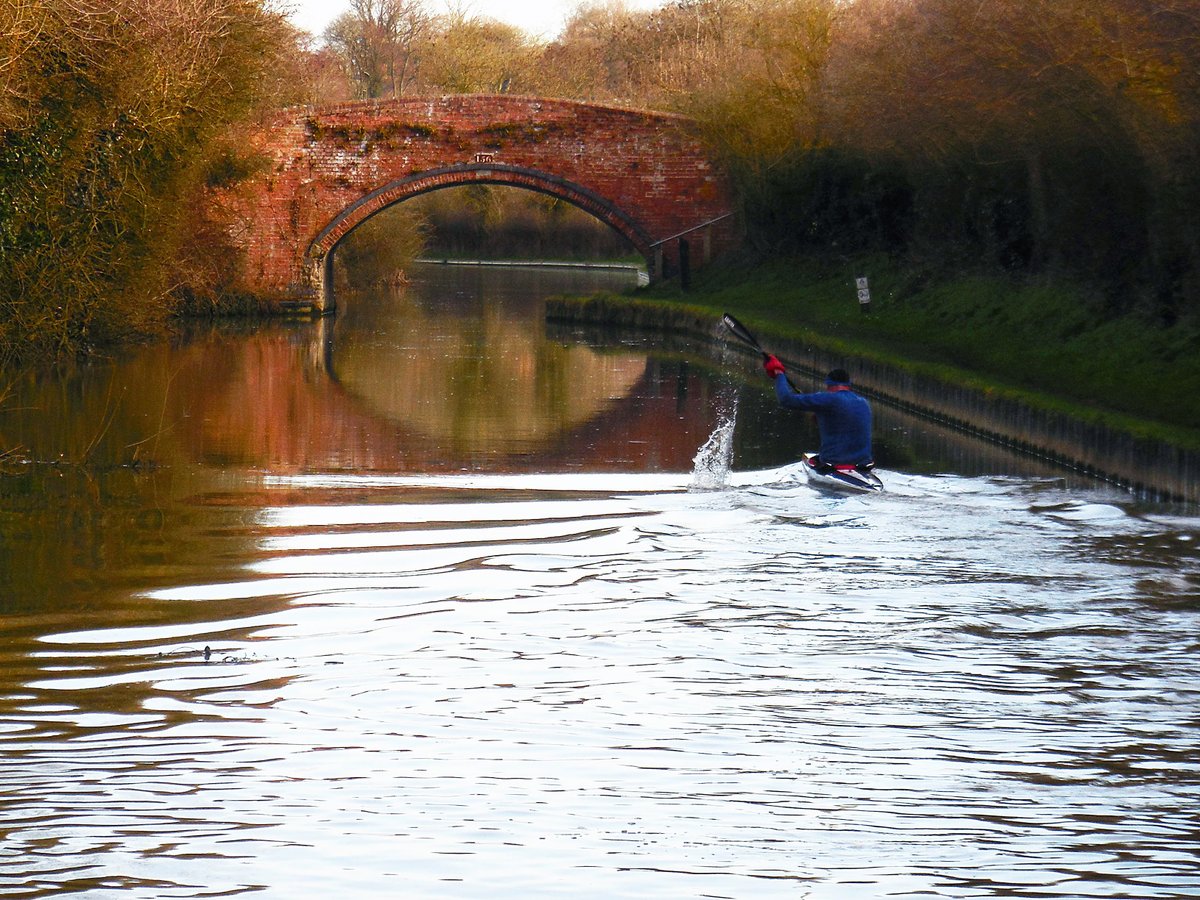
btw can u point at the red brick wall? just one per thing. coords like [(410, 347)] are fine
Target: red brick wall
[(327, 170)]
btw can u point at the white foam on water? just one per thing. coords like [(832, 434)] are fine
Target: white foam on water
[(710, 466)]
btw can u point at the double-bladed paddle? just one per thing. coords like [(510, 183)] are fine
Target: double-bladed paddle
[(742, 333)]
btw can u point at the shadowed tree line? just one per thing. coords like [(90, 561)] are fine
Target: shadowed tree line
[(476, 221), (514, 224)]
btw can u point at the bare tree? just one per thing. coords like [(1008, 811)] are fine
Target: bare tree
[(376, 41), (600, 54)]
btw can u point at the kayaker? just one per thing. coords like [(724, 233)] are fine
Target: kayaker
[(843, 417)]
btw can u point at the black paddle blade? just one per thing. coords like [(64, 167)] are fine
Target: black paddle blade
[(741, 332)]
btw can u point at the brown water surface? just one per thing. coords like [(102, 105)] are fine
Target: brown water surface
[(428, 601)]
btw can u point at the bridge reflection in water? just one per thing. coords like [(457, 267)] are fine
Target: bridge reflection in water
[(452, 372), (476, 379)]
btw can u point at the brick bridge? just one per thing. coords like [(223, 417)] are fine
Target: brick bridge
[(330, 169)]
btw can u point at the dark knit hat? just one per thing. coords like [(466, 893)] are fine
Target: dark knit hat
[(838, 376)]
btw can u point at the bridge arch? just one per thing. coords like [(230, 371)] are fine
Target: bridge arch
[(327, 170), (319, 252)]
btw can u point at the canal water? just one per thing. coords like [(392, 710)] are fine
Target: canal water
[(431, 601)]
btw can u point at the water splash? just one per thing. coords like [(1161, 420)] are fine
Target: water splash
[(710, 466)]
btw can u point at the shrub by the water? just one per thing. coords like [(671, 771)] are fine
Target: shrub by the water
[(110, 115)]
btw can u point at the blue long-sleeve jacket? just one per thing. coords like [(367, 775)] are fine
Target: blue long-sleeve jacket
[(843, 418)]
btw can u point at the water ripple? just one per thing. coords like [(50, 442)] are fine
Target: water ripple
[(527, 685)]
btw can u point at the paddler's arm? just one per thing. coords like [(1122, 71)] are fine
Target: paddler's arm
[(784, 392)]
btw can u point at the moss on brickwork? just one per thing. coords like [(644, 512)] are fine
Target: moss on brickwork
[(499, 135), (389, 134)]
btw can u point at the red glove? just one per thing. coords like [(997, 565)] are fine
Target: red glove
[(773, 366)]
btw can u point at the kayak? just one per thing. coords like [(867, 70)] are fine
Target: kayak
[(852, 479)]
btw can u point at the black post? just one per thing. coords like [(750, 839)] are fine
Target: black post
[(685, 264)]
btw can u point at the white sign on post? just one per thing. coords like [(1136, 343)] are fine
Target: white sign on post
[(864, 292)]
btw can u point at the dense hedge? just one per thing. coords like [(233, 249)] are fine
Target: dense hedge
[(110, 116)]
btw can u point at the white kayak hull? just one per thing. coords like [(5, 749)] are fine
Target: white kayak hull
[(846, 480)]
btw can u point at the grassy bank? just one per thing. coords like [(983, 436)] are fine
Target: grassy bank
[(1049, 344)]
